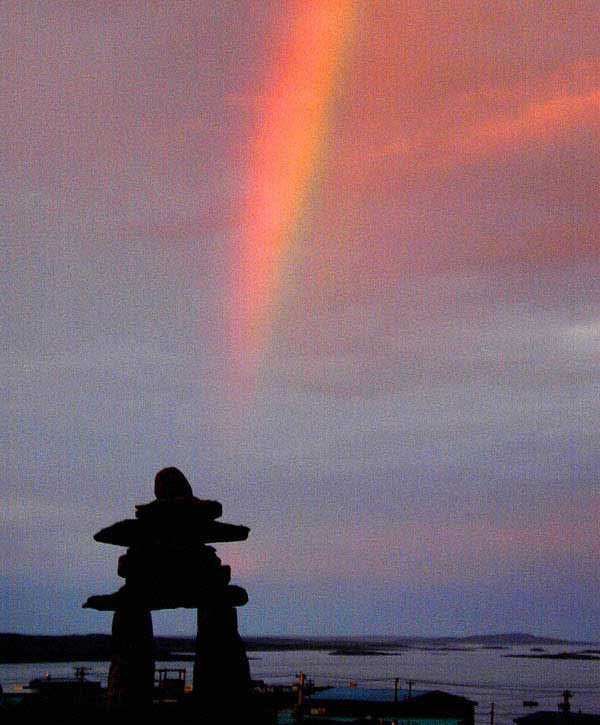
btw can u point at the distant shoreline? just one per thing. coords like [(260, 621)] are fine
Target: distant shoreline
[(25, 648), (584, 656)]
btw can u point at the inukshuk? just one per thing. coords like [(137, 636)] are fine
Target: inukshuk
[(168, 565)]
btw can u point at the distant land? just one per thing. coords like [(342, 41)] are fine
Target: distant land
[(20, 648)]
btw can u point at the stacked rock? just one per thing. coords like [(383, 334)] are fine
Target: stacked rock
[(169, 565)]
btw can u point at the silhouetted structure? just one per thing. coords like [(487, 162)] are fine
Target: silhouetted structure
[(168, 565), (390, 704), (561, 716)]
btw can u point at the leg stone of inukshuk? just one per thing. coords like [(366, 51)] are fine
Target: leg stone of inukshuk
[(131, 673), (221, 670)]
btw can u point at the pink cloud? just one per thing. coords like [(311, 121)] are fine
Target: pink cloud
[(434, 551)]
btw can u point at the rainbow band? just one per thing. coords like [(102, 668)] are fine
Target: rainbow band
[(283, 159)]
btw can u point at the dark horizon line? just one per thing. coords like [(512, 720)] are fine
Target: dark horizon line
[(515, 636)]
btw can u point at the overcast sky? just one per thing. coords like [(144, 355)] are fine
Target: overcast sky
[(414, 442)]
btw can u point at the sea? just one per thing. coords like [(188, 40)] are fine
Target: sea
[(486, 675)]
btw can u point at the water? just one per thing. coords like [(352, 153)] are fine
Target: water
[(482, 675), (486, 676)]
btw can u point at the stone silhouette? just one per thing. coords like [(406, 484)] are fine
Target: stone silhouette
[(169, 565)]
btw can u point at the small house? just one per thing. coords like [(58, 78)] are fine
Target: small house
[(418, 707)]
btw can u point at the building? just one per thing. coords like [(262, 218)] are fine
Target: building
[(399, 706), (561, 716), (556, 717)]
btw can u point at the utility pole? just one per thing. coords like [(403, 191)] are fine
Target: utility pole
[(396, 681), (565, 705), (410, 684), (300, 688), (492, 715), (299, 706)]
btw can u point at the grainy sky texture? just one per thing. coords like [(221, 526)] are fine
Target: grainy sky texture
[(338, 262)]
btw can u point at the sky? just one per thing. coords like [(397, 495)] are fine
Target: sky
[(336, 261)]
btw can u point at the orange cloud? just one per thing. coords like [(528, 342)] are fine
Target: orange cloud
[(555, 118)]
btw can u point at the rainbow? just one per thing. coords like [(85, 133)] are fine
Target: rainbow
[(294, 122)]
